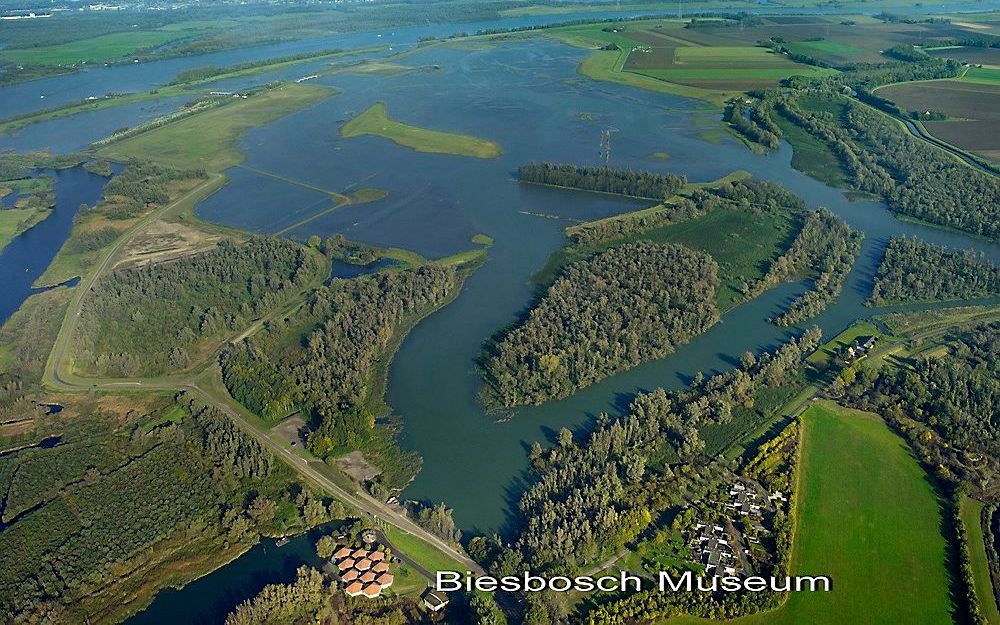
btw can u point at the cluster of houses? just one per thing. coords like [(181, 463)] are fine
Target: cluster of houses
[(743, 501), (715, 549), (364, 572)]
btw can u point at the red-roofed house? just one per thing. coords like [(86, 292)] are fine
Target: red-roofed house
[(385, 580), (346, 564), (354, 589), (372, 590), (349, 576), (342, 553), (363, 564), (368, 577), (381, 567), (376, 556), (359, 553)]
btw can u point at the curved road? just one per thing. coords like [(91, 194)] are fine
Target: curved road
[(59, 377)]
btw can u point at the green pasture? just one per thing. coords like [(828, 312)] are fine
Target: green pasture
[(13, 221), (971, 512), (869, 519), (208, 140), (95, 50)]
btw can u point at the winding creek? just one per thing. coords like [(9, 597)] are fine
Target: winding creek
[(529, 98)]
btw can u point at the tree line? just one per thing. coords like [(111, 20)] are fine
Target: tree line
[(914, 178), (916, 271), (640, 184), (826, 248), (605, 314), (749, 193)]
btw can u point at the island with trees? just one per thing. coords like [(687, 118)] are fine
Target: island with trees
[(915, 271), (611, 312)]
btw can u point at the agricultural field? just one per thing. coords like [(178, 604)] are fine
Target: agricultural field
[(869, 519), (208, 140), (966, 54), (730, 68), (973, 120), (661, 55), (376, 121)]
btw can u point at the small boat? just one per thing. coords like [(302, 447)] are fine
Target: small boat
[(281, 542)]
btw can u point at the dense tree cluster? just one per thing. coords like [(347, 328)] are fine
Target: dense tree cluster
[(304, 602), (754, 121), (915, 271), (605, 314), (438, 520), (322, 359), (156, 318), (916, 179), (947, 407), (593, 496), (641, 184), (141, 184), (825, 248), (86, 514)]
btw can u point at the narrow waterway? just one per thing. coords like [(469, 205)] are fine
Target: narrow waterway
[(29, 254)]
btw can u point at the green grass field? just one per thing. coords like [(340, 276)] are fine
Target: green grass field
[(208, 140), (971, 512), (811, 156), (14, 221), (985, 75), (824, 47), (829, 349), (743, 243), (94, 50), (376, 121), (868, 518)]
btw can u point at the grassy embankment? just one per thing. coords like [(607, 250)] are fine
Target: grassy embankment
[(376, 121), (180, 88), (95, 49), (14, 221), (971, 512), (810, 155), (208, 140), (868, 518)]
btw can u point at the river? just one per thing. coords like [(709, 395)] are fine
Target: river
[(529, 98)]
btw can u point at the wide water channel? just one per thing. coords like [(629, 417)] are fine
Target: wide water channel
[(529, 98)]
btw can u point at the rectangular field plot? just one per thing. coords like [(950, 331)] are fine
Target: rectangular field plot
[(729, 67), (966, 54), (973, 119)]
